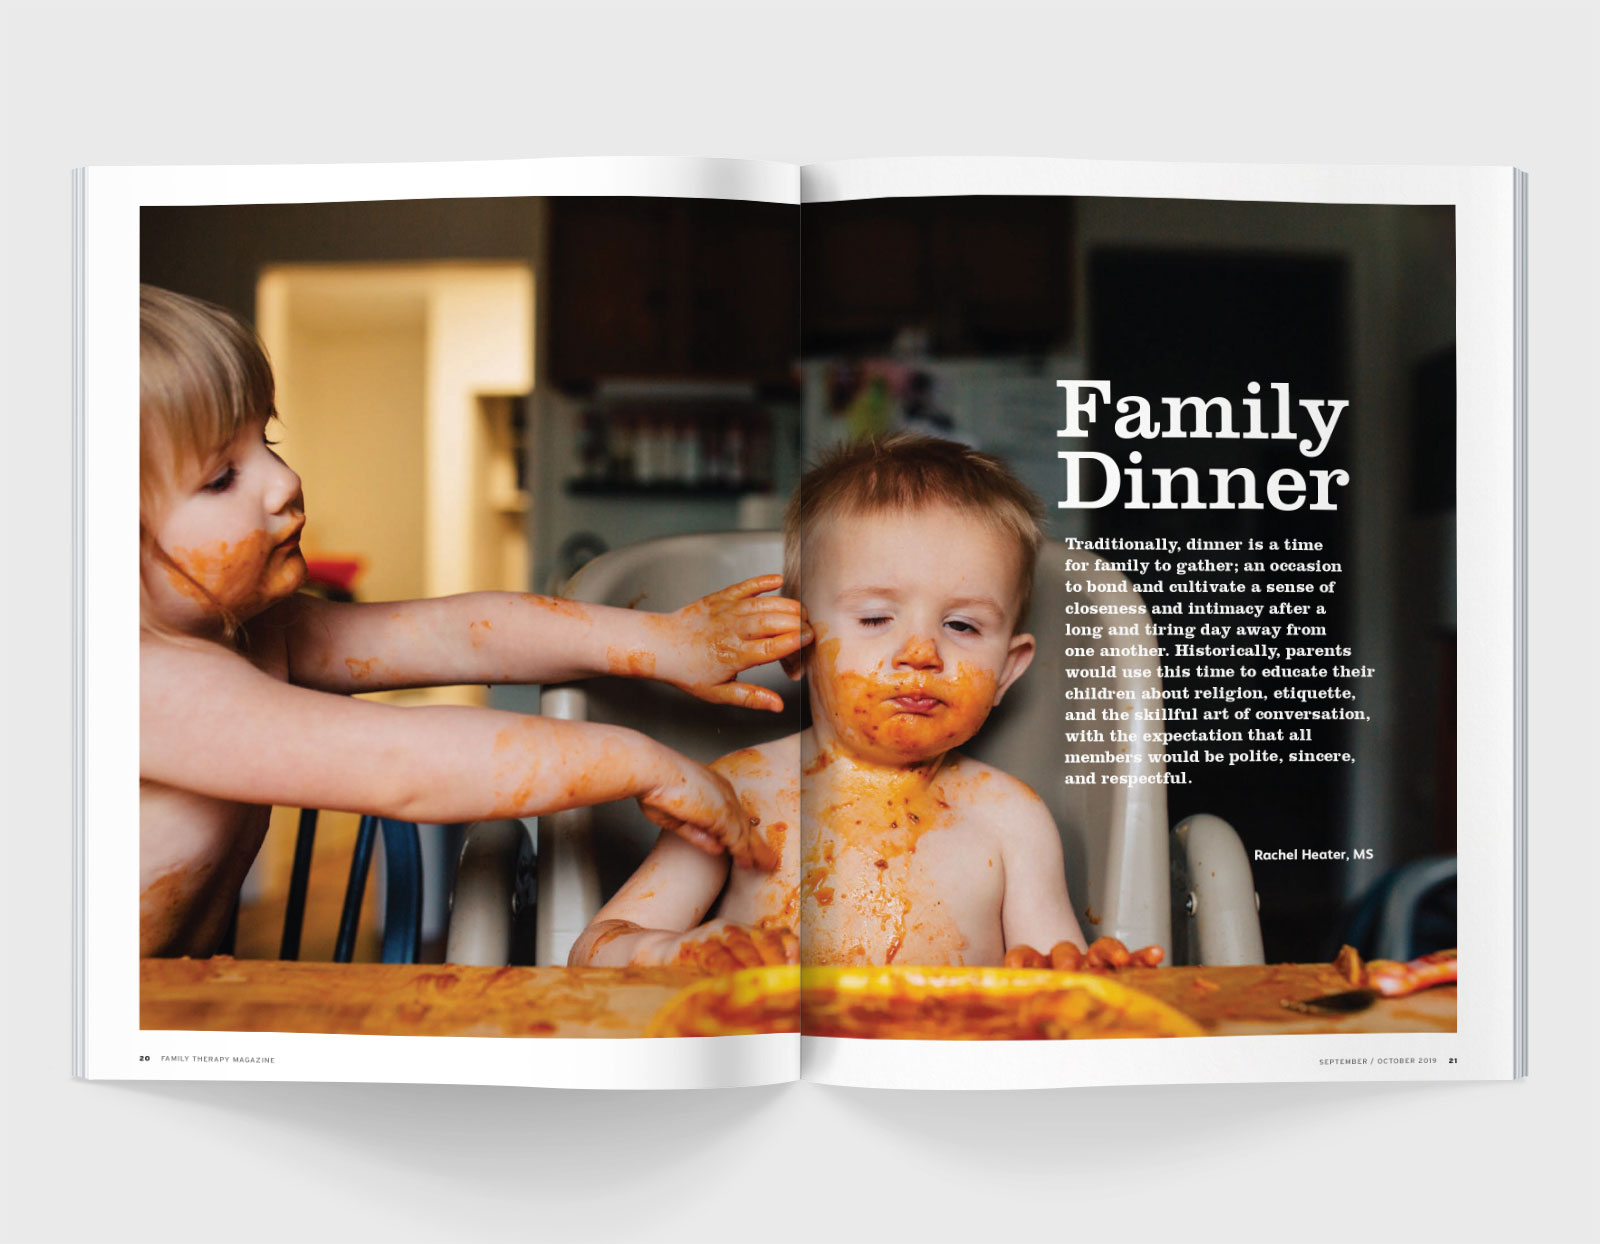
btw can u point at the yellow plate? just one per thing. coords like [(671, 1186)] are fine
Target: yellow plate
[(750, 1000), (912, 1003)]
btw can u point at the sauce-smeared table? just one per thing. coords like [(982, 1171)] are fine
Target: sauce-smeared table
[(250, 995)]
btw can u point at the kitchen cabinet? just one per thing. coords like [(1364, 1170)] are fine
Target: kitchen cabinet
[(675, 289), (971, 275)]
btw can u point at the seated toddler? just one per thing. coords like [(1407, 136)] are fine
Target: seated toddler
[(914, 560)]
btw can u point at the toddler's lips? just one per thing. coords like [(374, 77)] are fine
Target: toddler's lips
[(916, 703)]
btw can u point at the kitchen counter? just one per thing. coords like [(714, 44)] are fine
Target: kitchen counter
[(248, 995)]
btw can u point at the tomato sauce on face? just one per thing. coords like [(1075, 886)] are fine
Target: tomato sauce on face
[(241, 575), (900, 717)]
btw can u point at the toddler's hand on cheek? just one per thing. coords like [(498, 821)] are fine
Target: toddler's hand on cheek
[(720, 636)]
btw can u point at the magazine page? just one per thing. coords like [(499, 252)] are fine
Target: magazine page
[(458, 491), (1158, 548)]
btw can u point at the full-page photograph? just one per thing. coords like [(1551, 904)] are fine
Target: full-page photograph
[(1002, 637), (432, 539)]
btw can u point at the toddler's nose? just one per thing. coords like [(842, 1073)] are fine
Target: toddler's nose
[(284, 491), (919, 653)]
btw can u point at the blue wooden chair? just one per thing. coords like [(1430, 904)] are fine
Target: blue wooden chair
[(402, 922)]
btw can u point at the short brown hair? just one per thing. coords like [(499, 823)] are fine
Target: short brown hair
[(909, 472)]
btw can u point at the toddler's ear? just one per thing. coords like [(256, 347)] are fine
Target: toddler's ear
[(1017, 660)]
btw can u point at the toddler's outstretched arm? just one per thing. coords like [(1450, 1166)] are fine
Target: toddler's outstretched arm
[(507, 637), (212, 723)]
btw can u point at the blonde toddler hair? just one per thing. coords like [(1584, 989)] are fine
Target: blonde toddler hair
[(203, 376)]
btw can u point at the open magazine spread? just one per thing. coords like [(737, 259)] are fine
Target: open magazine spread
[(920, 623)]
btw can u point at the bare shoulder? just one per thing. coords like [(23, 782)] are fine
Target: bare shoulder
[(767, 768), (165, 661), (181, 660), (192, 686), (1006, 804)]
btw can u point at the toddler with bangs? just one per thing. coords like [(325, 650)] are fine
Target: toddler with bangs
[(914, 559), (245, 684)]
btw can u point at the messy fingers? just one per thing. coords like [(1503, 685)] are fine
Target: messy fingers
[(742, 947), (752, 850), (740, 849), (767, 946), (777, 947), (1065, 957), (1108, 952), (762, 625), (692, 834), (768, 604), (1025, 957), (744, 695), (709, 957), (749, 587), (778, 646), (1118, 955), (698, 837), (759, 852)]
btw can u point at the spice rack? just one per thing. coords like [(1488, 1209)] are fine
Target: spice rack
[(709, 448)]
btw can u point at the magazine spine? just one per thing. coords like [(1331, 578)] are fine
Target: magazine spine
[(1520, 623), (78, 310)]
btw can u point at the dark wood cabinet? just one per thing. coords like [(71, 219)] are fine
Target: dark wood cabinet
[(867, 272), (611, 288), (710, 289), (698, 289), (744, 281), (973, 274)]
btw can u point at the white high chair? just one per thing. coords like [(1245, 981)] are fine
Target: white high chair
[(1126, 881), (586, 854), (1189, 892)]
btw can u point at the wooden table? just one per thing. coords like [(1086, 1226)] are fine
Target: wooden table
[(250, 995), (1235, 1002), (260, 995)]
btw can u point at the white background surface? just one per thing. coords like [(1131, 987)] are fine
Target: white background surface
[(1401, 83)]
